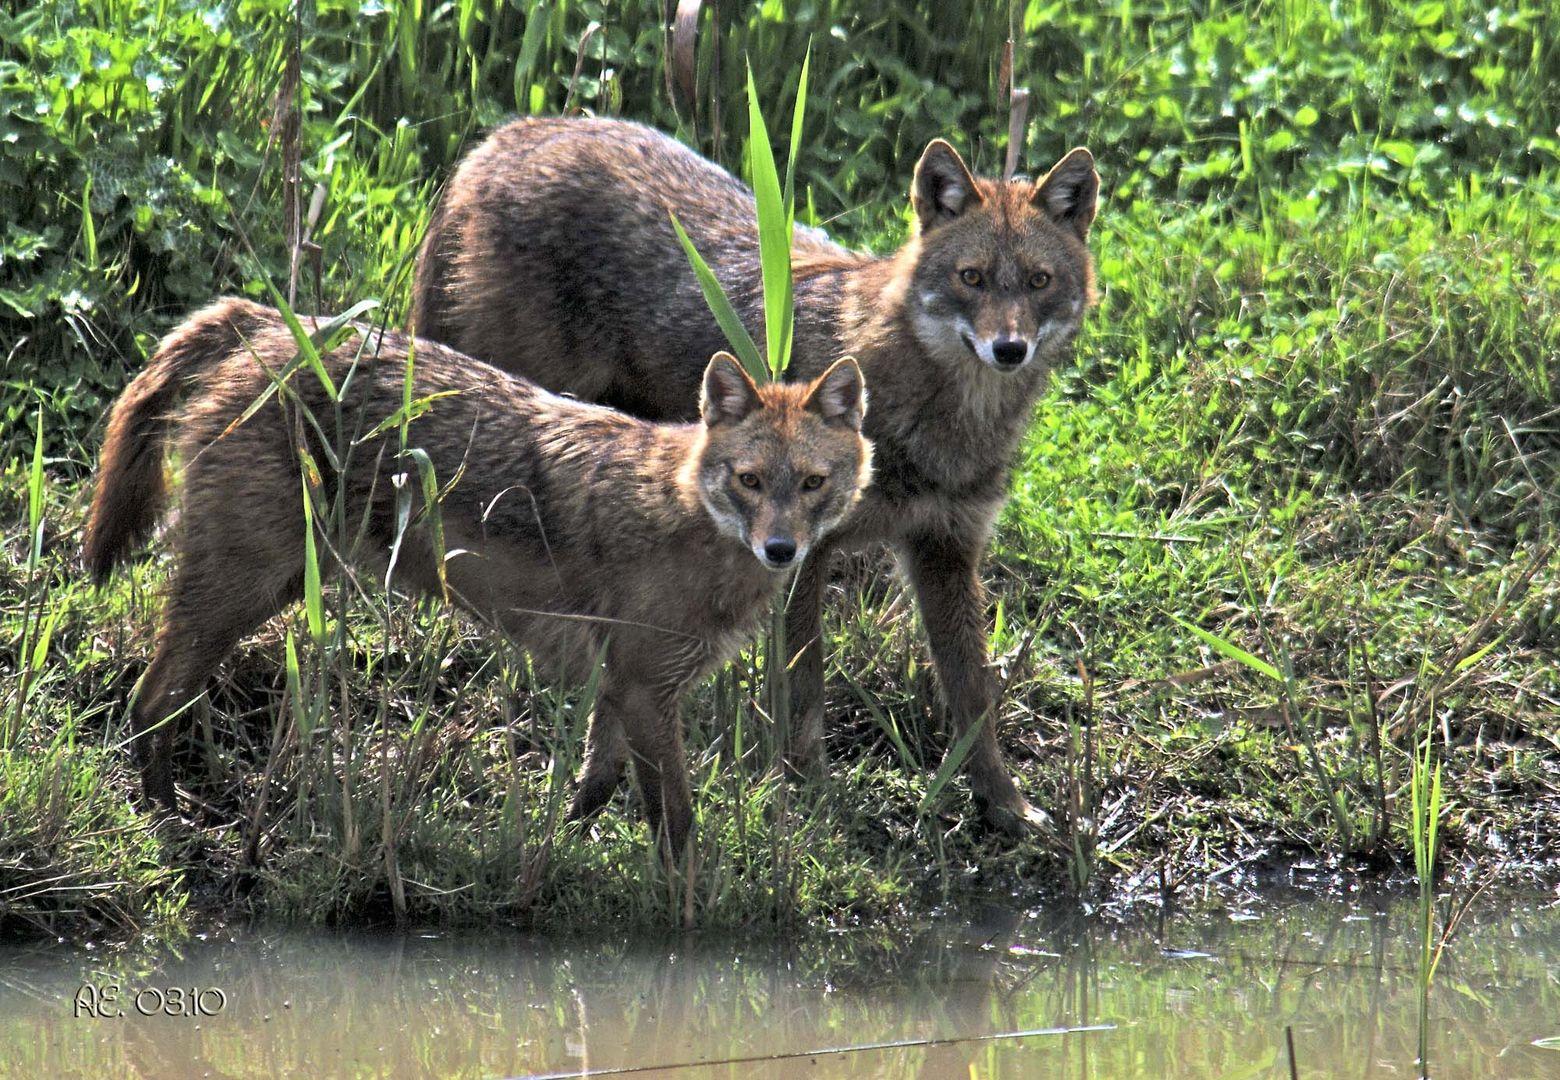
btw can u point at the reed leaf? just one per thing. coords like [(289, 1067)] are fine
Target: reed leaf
[(774, 235), (742, 342)]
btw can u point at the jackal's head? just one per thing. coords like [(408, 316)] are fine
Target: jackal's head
[(780, 465), (1001, 272)]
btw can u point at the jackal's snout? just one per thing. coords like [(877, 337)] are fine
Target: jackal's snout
[(779, 551), (1010, 352)]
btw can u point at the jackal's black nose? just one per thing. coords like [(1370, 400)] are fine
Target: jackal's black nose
[(1009, 352), (779, 551)]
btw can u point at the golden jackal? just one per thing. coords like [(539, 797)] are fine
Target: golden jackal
[(552, 256), (577, 528)]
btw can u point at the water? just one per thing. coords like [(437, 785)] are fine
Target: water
[(1189, 997)]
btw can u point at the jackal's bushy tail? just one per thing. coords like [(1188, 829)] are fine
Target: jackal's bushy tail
[(130, 490)]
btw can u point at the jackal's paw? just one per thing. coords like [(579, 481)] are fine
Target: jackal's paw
[(1018, 820), (590, 795)]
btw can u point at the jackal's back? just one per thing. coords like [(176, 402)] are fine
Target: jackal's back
[(564, 227)]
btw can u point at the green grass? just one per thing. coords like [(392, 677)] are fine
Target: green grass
[(1294, 505)]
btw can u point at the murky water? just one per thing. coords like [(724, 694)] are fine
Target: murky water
[(995, 996)]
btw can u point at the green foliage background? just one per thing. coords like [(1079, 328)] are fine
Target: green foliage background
[(134, 155)]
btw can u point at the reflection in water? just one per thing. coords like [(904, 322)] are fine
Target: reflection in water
[(998, 996)]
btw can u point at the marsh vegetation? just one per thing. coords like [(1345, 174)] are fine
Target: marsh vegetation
[(1287, 526)]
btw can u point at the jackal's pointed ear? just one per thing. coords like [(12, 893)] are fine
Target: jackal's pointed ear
[(839, 395), (729, 394), (943, 188), (1070, 191)]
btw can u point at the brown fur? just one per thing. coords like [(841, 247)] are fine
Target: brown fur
[(551, 255), (577, 527), (130, 488)]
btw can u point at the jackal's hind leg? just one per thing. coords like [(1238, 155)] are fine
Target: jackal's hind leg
[(214, 600)]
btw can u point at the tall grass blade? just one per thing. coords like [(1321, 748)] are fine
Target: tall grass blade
[(774, 237), (952, 762), (731, 325), (1425, 818), (313, 597), (403, 415), (796, 137), (1232, 651), (431, 499), (536, 20), (33, 600), (292, 666), (885, 722), (35, 498), (311, 350)]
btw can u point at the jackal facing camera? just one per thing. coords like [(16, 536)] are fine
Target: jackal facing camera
[(578, 531)]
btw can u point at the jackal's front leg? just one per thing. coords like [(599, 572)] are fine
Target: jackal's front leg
[(606, 756), (944, 571), (804, 756), (647, 719)]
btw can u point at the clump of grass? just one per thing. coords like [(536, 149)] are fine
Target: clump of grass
[(74, 857)]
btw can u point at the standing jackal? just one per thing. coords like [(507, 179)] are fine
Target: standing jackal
[(572, 527), (552, 255)]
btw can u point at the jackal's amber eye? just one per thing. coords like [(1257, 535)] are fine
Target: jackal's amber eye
[(748, 480), (1039, 279), (971, 277), (813, 483)]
